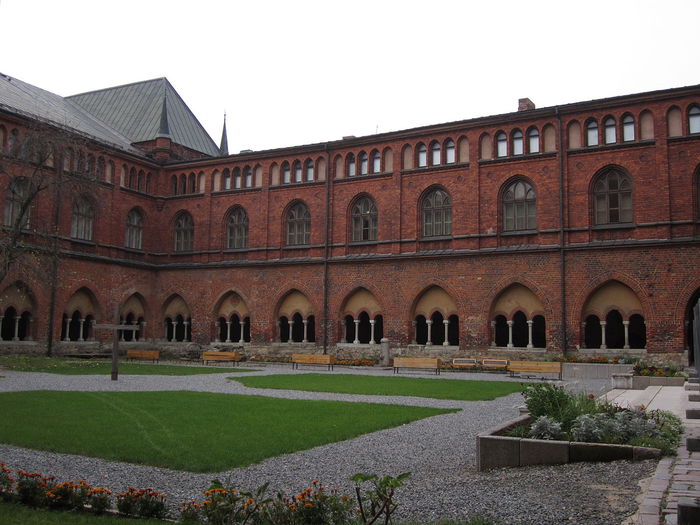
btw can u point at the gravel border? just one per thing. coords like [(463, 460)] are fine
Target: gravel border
[(439, 451)]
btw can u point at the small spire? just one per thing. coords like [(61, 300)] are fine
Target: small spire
[(223, 149), (164, 130)]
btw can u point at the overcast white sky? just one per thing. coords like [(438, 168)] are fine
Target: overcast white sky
[(297, 72)]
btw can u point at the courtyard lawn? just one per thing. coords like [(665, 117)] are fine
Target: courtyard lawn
[(456, 389), (58, 365), (16, 514), (190, 431)]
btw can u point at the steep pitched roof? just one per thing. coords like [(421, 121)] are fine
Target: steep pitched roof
[(135, 111), (19, 97)]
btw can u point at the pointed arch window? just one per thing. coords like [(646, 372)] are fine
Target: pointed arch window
[(628, 128), (364, 220), (298, 225), (286, 173), (298, 174), (610, 131), (517, 142), (82, 221), (15, 200), (694, 120), (613, 198), (237, 178), (248, 173), (533, 141), (450, 151), (309, 170), (376, 162), (519, 205), (134, 229), (237, 229), (437, 214), (592, 133), (227, 179), (184, 233), (422, 155), (435, 154), (364, 163), (501, 145), (351, 164)]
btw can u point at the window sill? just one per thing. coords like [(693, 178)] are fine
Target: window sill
[(363, 243), (296, 247), (514, 233), (615, 226), (235, 190), (436, 238), (436, 167), (84, 242), (614, 145), (366, 176), (512, 158)]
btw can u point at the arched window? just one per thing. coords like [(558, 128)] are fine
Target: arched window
[(519, 206), (517, 142), (184, 233), (83, 217), (449, 151), (226, 179), (437, 214), (694, 120), (364, 220), (501, 145), (298, 174), (237, 184), (298, 225), (610, 131), (613, 198), (309, 170), (193, 183), (183, 184), (533, 141), (376, 162), (237, 229), (286, 173), (134, 229), (435, 153), (174, 184), (627, 128), (248, 173), (351, 164), (422, 153), (592, 133), (364, 163), (16, 198)]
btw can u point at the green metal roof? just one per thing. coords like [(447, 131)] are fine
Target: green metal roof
[(134, 110)]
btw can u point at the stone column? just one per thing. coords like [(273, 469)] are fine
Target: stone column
[(174, 325), (242, 339), (93, 322), (529, 333), (185, 337), (16, 336), (446, 322), (228, 331), (306, 326), (429, 322), (510, 334), (372, 322), (414, 324), (626, 324), (28, 336), (142, 331), (279, 331), (603, 346), (217, 330), (66, 337), (291, 330), (82, 323), (583, 334), (356, 341), (493, 334)]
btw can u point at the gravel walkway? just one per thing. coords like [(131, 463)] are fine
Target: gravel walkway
[(438, 451)]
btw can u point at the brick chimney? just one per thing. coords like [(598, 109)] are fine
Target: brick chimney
[(525, 103)]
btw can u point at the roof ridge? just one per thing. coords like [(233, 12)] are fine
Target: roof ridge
[(141, 82)]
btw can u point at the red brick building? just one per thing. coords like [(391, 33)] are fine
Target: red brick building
[(561, 229)]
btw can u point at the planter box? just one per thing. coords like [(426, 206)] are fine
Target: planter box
[(632, 382), (496, 451), (593, 370)]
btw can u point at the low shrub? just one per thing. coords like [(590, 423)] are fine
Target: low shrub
[(143, 503), (644, 369), (32, 488), (7, 483)]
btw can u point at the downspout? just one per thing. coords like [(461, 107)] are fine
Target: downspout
[(326, 251), (562, 251)]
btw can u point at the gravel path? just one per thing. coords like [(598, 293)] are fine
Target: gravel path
[(438, 451)]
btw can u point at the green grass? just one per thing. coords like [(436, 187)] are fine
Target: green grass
[(16, 514), (57, 365), (190, 431), (461, 390)]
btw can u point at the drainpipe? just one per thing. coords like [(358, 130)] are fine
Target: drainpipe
[(326, 251), (562, 251)]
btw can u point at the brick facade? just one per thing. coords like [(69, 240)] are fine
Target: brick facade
[(570, 268)]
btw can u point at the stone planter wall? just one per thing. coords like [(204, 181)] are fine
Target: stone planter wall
[(494, 450), (592, 370)]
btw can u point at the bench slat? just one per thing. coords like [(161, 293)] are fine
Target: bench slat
[(313, 359), (417, 362), (153, 355), (232, 357), (547, 367)]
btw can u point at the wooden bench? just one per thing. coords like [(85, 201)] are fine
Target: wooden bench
[(226, 357), (417, 362), (312, 359), (494, 364), (534, 368), (153, 355), (465, 362)]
